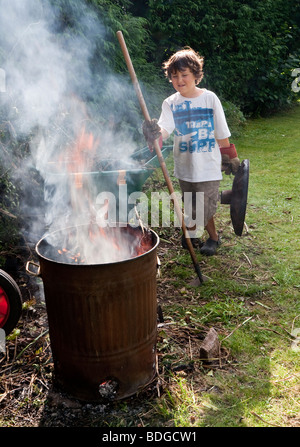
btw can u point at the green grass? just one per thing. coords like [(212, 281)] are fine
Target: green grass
[(253, 279)]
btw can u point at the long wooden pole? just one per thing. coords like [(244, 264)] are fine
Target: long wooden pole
[(159, 153)]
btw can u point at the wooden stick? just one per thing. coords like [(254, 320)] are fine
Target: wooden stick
[(159, 153)]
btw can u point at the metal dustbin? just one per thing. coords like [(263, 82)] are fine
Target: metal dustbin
[(102, 321)]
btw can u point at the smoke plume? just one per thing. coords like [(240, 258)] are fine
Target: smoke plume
[(49, 98)]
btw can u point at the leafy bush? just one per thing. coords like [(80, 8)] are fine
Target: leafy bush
[(249, 47), (235, 118), (9, 222)]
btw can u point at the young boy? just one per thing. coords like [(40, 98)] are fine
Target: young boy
[(196, 117)]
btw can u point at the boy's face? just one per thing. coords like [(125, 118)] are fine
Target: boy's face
[(184, 82)]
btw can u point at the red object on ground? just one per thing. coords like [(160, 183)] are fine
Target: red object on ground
[(4, 307)]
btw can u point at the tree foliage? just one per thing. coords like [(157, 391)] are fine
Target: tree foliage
[(111, 89), (250, 47)]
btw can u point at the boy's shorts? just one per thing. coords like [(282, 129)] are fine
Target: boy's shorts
[(210, 196)]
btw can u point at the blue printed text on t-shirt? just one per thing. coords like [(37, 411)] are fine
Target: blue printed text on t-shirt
[(196, 123)]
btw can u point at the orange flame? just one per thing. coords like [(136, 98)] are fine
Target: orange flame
[(82, 155), (78, 160)]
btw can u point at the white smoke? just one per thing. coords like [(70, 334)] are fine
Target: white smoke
[(36, 67), (48, 76)]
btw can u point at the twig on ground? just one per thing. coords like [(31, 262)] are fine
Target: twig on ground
[(248, 260), (290, 338), (237, 270), (190, 348), (266, 422), (238, 326), (294, 321), (285, 378)]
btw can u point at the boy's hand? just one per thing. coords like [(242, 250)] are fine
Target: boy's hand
[(230, 161), (151, 130), (230, 166)]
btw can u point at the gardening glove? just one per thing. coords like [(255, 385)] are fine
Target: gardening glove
[(230, 161), (151, 131)]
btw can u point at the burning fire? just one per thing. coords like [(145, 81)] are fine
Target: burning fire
[(88, 242), (82, 154), (103, 245)]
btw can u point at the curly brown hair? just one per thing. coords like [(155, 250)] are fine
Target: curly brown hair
[(182, 59)]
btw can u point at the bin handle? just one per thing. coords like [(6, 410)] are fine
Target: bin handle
[(37, 273)]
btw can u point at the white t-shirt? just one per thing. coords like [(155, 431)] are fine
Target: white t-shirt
[(197, 123)]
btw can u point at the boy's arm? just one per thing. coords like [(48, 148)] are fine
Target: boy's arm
[(164, 133), (230, 161), (224, 142)]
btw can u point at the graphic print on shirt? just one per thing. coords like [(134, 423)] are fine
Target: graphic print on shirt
[(196, 126)]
